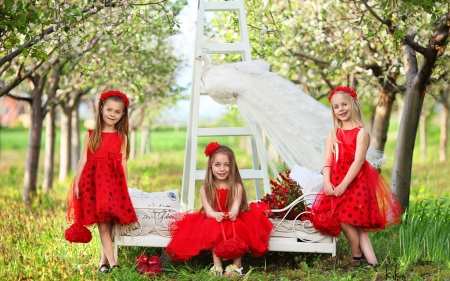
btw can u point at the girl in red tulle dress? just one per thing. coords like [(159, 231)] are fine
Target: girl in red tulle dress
[(224, 207), (99, 192), (355, 197)]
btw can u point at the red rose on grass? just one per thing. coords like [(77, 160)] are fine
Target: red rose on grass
[(142, 259), (154, 260), (153, 270), (142, 268)]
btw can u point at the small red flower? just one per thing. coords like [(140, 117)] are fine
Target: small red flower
[(112, 93), (211, 148), (345, 89), (283, 194)]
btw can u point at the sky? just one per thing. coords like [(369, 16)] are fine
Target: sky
[(184, 45)]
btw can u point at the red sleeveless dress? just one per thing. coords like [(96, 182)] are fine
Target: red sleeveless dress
[(195, 232), (367, 202), (102, 186)]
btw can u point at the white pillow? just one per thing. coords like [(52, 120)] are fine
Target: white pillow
[(167, 198), (308, 180)]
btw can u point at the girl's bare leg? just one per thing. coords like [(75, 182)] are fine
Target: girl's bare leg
[(366, 247), (238, 262), (104, 229), (217, 269), (352, 235), (217, 261)]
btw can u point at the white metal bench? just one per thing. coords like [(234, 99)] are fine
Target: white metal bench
[(288, 235)]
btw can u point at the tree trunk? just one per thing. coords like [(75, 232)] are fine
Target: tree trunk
[(49, 158), (34, 140), (75, 138), (65, 138), (132, 144), (423, 136), (144, 137), (381, 120), (401, 172), (443, 140), (148, 147)]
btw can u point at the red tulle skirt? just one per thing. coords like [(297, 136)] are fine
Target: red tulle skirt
[(368, 202), (194, 232)]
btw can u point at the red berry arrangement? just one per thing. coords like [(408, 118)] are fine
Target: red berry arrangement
[(284, 192), (148, 266)]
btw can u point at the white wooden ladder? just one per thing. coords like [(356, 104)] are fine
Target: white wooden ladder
[(190, 173)]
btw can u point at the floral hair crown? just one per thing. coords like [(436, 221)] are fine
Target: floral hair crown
[(211, 148), (118, 94), (346, 89)]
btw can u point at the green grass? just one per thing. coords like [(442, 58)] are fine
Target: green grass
[(32, 245)]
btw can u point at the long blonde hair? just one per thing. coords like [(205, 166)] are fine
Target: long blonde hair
[(122, 127), (357, 118), (234, 179)]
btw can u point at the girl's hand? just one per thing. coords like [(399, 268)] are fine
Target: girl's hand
[(328, 188), (232, 215), (77, 192), (339, 190), (219, 216)]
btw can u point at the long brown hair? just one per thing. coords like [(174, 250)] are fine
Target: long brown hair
[(122, 127), (234, 179)]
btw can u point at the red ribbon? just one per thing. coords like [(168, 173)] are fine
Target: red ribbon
[(116, 157)]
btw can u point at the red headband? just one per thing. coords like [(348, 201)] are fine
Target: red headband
[(346, 89), (118, 94), (211, 148)]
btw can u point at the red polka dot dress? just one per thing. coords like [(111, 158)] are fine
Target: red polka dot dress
[(367, 202), (195, 232), (102, 186)]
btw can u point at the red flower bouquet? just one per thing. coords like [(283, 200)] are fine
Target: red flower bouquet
[(283, 194)]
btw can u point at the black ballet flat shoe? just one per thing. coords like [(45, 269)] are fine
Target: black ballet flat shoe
[(357, 261), (371, 266), (114, 267), (104, 271)]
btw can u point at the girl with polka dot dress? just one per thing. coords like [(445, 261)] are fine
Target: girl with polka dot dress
[(99, 192), (355, 198)]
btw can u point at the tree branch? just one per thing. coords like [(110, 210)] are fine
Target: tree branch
[(86, 14), (29, 100), (387, 22), (26, 45), (409, 40), (4, 67), (314, 59)]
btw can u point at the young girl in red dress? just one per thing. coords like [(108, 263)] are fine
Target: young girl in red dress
[(99, 193), (355, 198), (224, 203)]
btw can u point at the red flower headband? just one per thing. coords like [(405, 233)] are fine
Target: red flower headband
[(211, 148), (112, 93), (346, 89)]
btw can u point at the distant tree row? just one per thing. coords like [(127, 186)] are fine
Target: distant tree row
[(60, 52)]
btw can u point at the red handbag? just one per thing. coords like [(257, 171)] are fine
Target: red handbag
[(231, 248), (77, 232), (326, 223)]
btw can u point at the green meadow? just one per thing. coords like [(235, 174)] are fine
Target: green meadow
[(32, 245)]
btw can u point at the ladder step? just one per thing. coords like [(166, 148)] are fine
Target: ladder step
[(224, 131), (222, 6), (246, 174), (226, 48)]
